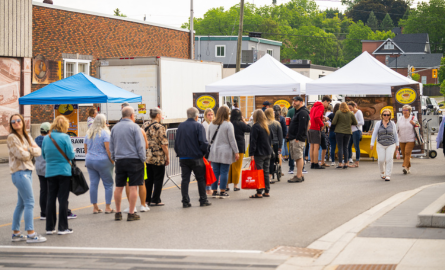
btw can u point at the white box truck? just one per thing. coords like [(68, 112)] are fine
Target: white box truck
[(164, 82)]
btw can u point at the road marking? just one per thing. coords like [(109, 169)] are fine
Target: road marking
[(139, 249), (85, 207)]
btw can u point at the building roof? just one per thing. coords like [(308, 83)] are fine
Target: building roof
[(397, 30), (412, 43), (235, 38), (416, 60), (34, 3)]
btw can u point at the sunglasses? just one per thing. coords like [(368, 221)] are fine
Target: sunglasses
[(16, 121), (405, 110), (386, 115)]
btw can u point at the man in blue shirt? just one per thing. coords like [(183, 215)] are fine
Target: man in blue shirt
[(190, 146), (127, 147)]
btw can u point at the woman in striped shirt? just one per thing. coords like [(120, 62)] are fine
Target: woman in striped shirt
[(385, 132)]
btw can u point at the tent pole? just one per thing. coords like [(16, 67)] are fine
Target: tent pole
[(107, 114)]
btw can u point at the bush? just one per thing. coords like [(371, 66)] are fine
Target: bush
[(442, 88), (432, 84), (415, 77)]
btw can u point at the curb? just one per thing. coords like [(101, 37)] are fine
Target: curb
[(335, 241)]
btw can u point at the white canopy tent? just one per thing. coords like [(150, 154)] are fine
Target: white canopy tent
[(364, 75), (266, 77)]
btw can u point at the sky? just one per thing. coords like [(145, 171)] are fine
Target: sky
[(170, 12)]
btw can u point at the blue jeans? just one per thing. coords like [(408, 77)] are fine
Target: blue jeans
[(22, 180), (221, 171), (355, 139), (333, 142), (98, 169), (284, 150)]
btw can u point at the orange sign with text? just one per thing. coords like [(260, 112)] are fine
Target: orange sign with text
[(71, 112)]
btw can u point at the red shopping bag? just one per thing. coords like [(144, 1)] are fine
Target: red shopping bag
[(252, 178), (210, 175)]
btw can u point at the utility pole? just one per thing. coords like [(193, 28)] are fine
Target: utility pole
[(240, 37), (191, 31)]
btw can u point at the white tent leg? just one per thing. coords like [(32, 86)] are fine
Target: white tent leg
[(107, 113)]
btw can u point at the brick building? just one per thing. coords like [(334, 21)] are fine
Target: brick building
[(403, 50), (68, 41)]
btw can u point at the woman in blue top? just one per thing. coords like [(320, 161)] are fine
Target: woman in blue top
[(98, 162), (58, 173)]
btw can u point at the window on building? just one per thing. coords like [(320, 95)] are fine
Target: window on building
[(74, 66), (389, 46), (270, 51), (423, 79), (220, 51)]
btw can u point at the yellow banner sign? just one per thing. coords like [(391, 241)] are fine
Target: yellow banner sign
[(406, 96), (71, 112), (142, 109), (205, 102), (282, 103)]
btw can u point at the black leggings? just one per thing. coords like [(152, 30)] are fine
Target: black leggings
[(273, 160), (342, 144)]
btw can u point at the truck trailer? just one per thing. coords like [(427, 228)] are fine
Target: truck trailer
[(163, 82)]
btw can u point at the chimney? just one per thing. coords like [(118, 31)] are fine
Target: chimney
[(48, 2)]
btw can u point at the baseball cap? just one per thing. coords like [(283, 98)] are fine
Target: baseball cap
[(298, 98), (44, 127), (266, 103)]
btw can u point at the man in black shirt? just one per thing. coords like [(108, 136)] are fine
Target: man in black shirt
[(297, 136)]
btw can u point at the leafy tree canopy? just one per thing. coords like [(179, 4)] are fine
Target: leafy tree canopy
[(117, 12)]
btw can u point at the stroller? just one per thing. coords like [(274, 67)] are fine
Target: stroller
[(277, 172)]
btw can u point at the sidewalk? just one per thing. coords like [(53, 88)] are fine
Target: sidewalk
[(4, 153), (383, 238)]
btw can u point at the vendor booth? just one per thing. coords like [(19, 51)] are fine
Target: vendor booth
[(266, 77), (374, 87), (66, 94)]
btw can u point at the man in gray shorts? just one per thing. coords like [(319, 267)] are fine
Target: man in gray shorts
[(297, 137)]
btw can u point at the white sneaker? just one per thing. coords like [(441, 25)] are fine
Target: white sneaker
[(18, 237), (145, 208), (68, 231), (351, 161), (51, 232), (333, 164), (127, 210), (409, 171), (35, 239)]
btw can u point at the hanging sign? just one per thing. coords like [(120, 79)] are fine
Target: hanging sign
[(282, 103), (79, 148), (142, 108)]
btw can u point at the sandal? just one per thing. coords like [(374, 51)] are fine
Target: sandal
[(266, 195), (110, 212), (236, 189), (256, 196), (98, 211)]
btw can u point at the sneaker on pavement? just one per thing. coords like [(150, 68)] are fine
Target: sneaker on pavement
[(304, 170), (206, 203), (18, 237), (295, 179), (118, 216), (215, 194), (186, 205), (405, 171), (51, 232), (290, 172), (333, 164), (127, 210), (35, 239), (67, 231), (72, 216), (351, 161), (144, 208), (223, 195), (132, 217)]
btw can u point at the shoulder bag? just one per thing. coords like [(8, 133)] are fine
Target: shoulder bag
[(79, 185), (418, 135), (210, 145)]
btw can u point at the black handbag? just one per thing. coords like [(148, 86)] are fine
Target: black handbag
[(210, 145), (79, 185)]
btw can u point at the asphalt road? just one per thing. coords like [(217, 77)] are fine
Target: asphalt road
[(294, 215)]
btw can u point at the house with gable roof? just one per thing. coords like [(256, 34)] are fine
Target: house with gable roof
[(405, 50)]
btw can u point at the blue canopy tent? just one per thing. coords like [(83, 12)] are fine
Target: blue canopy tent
[(79, 89)]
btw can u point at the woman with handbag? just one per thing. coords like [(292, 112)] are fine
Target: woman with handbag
[(407, 136), (385, 132), (223, 150), (277, 139), (58, 173), (343, 120), (356, 133), (22, 150), (240, 127), (98, 162), (260, 150)]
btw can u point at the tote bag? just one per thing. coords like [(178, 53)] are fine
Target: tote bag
[(210, 175), (252, 178)]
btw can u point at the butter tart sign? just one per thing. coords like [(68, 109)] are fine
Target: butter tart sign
[(406, 96)]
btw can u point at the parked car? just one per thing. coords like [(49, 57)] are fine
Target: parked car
[(429, 105)]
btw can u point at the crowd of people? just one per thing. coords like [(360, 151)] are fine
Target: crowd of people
[(138, 155)]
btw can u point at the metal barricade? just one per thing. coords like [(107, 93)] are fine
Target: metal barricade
[(173, 169)]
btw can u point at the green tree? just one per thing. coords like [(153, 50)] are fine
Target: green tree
[(428, 17), (372, 22), (117, 12), (442, 88), (441, 72), (362, 9), (387, 23), (332, 12), (352, 45), (415, 76)]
